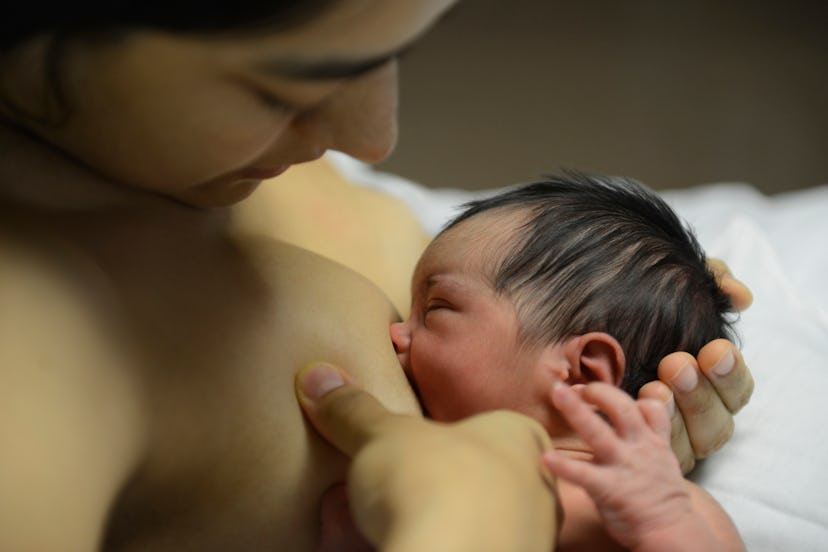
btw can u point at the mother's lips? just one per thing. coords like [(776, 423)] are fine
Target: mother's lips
[(261, 173)]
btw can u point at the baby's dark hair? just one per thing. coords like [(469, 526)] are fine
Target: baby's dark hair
[(606, 254)]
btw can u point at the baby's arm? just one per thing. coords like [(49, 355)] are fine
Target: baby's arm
[(634, 478)]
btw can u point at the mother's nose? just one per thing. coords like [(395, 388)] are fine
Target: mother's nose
[(359, 118)]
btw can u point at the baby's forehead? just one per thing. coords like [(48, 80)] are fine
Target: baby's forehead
[(480, 241), (496, 226)]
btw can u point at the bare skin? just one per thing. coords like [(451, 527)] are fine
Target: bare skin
[(210, 454), (620, 486), (630, 488), (181, 429), (374, 234), (196, 381), (151, 324), (212, 297)]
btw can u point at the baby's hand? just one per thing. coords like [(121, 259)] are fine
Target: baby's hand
[(634, 478)]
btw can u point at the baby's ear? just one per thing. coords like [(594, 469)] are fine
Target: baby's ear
[(595, 356)]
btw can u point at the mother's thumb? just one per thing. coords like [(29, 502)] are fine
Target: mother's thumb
[(342, 413)]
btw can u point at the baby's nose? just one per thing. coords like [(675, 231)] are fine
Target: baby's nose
[(401, 338)]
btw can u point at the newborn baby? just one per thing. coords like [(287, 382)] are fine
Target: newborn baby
[(550, 299)]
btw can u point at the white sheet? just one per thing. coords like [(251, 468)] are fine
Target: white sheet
[(771, 477)]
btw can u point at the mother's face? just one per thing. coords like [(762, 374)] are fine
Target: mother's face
[(205, 118)]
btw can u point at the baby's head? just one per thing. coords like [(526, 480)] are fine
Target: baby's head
[(574, 278)]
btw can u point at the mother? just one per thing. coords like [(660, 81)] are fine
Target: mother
[(152, 322)]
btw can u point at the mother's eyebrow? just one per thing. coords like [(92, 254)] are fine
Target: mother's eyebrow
[(328, 69), (333, 68)]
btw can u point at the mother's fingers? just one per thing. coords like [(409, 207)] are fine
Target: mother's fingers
[(679, 439), (708, 421), (723, 365), (345, 415), (740, 295), (655, 414)]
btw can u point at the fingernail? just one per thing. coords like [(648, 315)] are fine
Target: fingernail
[(686, 379), (321, 380), (725, 364)]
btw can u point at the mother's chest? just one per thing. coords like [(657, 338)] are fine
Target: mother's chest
[(232, 463)]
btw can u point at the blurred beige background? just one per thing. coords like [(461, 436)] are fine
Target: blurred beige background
[(671, 93)]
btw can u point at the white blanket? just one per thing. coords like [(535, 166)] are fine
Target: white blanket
[(772, 477)]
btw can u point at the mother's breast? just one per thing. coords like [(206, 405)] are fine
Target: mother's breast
[(233, 464)]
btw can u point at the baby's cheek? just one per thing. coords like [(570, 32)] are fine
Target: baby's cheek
[(436, 400), (448, 402)]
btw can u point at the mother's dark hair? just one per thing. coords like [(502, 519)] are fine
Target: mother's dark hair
[(64, 23), (105, 17)]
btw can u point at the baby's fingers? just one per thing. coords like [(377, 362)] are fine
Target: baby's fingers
[(582, 418), (578, 472), (621, 409)]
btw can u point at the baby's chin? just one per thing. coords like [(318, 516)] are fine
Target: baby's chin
[(448, 409)]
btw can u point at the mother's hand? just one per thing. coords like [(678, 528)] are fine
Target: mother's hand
[(740, 295), (415, 484), (709, 389)]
